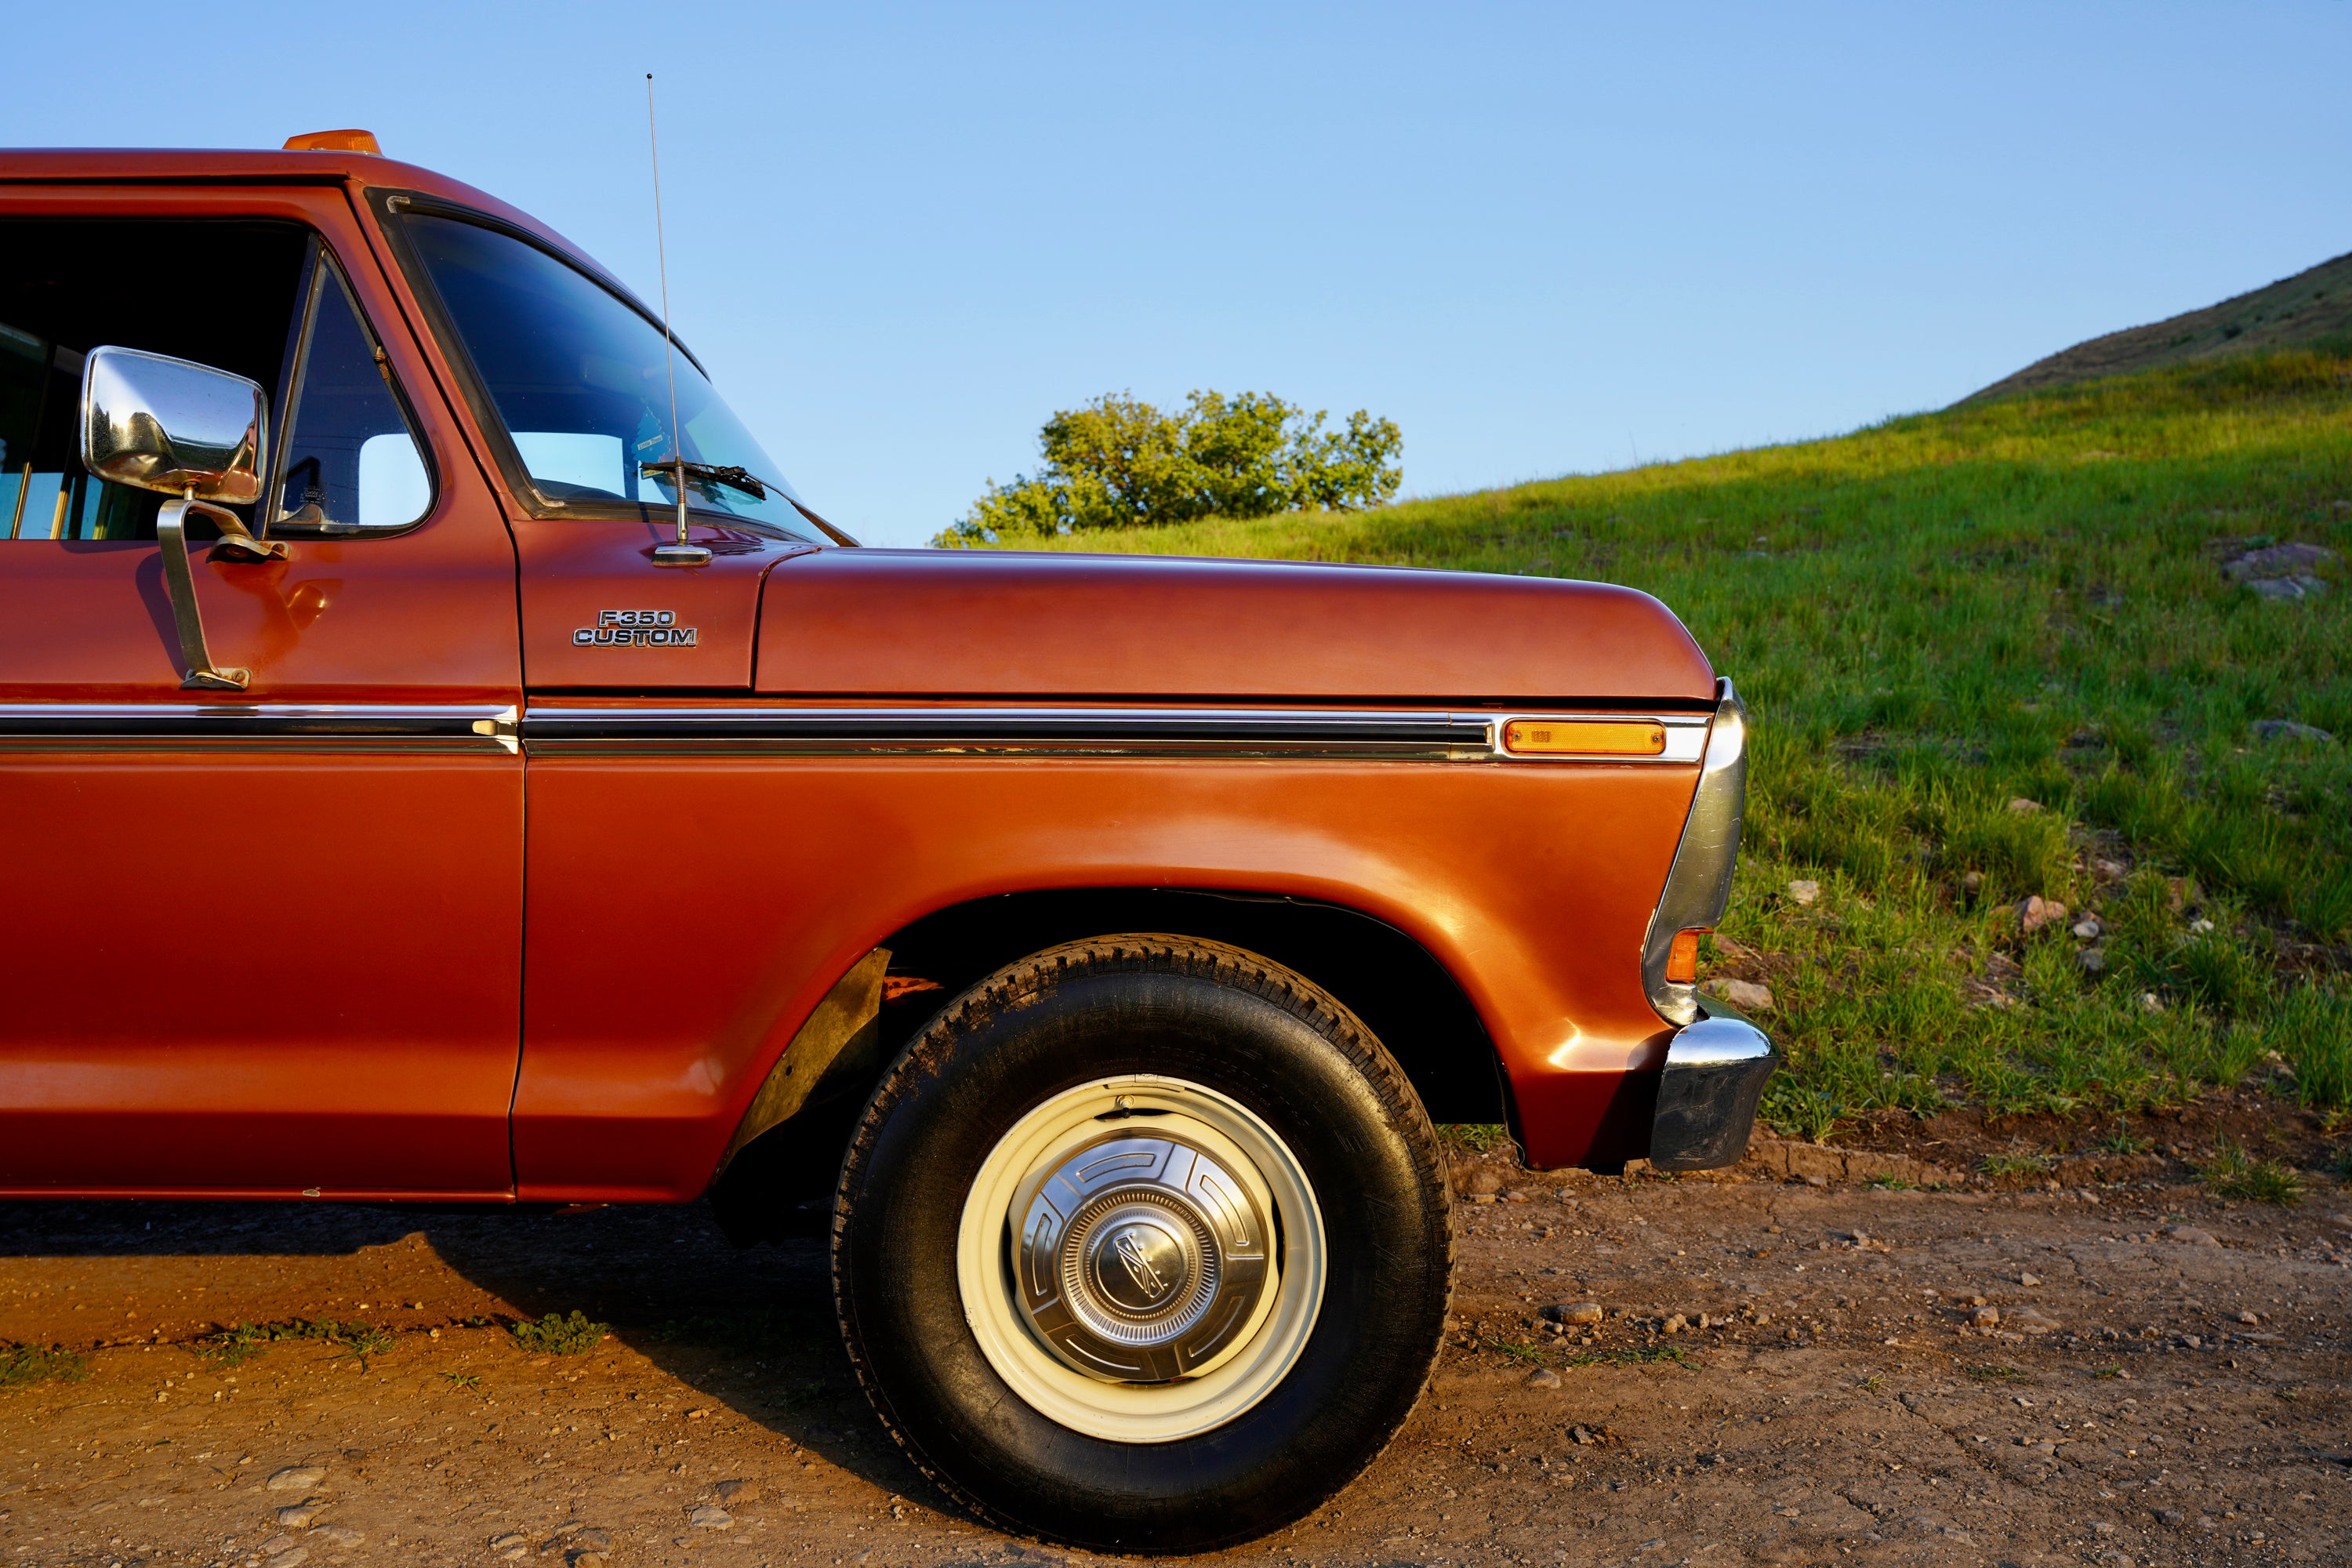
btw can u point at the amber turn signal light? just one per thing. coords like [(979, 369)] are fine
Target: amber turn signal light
[(1583, 738), (1682, 959), (352, 140)]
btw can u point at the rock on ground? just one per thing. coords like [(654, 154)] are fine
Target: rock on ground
[(1744, 994), (2288, 590), (2278, 561), (2287, 730)]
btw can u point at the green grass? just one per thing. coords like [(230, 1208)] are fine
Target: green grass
[(2119, 1141), (235, 1346), (2313, 1031), (556, 1334), (1477, 1137), (2235, 1173), (1941, 613), (22, 1365), (1632, 1355)]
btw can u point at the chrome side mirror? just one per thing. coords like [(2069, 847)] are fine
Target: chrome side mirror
[(160, 423), (168, 425)]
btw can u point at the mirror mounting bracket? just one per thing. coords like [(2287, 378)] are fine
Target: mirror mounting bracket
[(180, 586)]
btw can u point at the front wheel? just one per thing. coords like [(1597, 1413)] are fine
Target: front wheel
[(1143, 1245)]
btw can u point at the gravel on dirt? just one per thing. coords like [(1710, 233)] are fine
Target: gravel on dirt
[(1751, 1369)]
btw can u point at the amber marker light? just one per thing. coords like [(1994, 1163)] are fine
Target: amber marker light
[(1584, 738), (1682, 959), (353, 140)]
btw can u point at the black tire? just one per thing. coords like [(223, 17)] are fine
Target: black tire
[(1235, 1023)]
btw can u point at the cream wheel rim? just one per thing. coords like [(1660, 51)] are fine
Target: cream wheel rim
[(1141, 1259)]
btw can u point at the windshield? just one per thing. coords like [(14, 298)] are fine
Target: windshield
[(579, 382)]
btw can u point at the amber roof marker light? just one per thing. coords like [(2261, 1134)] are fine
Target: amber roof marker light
[(335, 142), (1584, 738)]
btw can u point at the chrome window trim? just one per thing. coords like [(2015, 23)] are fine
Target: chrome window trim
[(257, 726), (322, 270), (1069, 730)]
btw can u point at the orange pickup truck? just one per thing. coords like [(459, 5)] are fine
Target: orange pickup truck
[(438, 762)]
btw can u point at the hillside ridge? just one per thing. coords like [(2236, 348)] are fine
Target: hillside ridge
[(2313, 305)]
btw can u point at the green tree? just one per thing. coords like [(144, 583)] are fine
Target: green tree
[(1121, 463)]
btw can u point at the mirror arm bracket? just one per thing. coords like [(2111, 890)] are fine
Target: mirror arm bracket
[(180, 586)]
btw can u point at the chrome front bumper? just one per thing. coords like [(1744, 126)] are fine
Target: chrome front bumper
[(1714, 1074)]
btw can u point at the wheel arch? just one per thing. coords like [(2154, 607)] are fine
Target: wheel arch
[(1400, 990), (1397, 987)]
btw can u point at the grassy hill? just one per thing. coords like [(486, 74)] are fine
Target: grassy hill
[(1939, 616), (2311, 310)]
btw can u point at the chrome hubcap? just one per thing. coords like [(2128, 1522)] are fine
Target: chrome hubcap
[(1140, 1257)]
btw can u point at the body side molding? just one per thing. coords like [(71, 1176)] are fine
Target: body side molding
[(192, 726), (1075, 730)]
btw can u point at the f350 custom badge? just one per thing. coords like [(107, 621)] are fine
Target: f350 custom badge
[(634, 628)]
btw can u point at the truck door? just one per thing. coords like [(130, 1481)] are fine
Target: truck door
[(591, 419), (263, 941)]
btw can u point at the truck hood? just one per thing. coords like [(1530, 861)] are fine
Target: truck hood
[(945, 623)]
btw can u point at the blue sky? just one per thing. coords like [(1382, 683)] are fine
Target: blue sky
[(1543, 239)]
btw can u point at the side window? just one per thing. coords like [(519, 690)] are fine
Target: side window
[(44, 493), (349, 458), (220, 292)]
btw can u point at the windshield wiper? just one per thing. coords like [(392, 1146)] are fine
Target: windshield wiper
[(742, 480)]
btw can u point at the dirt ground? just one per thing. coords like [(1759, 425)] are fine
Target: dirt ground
[(1961, 1146), (2166, 1383)]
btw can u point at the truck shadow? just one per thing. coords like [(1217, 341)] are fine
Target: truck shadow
[(753, 1330)]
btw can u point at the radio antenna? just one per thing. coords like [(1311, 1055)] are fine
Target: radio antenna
[(682, 552)]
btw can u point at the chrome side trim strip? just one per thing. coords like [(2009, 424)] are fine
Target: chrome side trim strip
[(1034, 730), (1027, 732), (1038, 731), (255, 726)]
